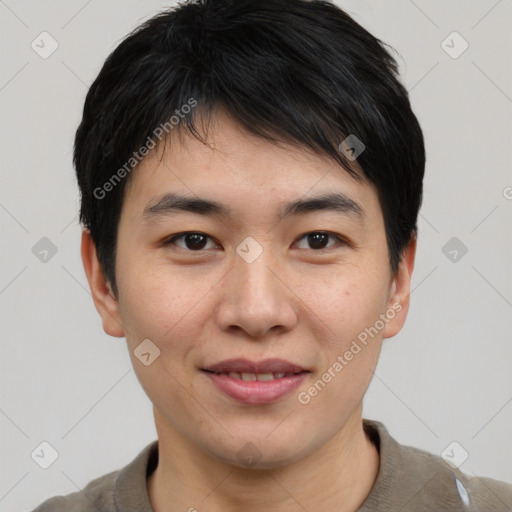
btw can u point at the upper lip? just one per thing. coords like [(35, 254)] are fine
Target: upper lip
[(246, 366)]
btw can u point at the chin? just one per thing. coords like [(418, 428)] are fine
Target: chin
[(251, 452)]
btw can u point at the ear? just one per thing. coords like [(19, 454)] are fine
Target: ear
[(399, 292), (104, 300)]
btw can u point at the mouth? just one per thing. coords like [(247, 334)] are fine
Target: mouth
[(264, 367), (260, 377), (251, 382)]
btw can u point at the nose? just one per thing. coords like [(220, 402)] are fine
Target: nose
[(256, 298)]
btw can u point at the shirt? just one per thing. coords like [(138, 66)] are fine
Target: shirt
[(409, 480)]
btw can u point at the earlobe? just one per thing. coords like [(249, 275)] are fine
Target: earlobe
[(104, 299), (398, 303)]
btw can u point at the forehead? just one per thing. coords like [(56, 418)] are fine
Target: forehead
[(236, 171)]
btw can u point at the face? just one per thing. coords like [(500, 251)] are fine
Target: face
[(251, 279)]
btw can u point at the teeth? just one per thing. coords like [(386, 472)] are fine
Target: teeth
[(253, 377), (265, 376)]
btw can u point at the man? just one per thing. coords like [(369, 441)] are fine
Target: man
[(251, 175)]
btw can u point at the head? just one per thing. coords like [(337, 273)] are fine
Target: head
[(252, 106)]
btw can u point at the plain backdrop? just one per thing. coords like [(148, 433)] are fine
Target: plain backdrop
[(446, 377)]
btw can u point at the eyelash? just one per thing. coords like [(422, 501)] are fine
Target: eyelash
[(171, 240)]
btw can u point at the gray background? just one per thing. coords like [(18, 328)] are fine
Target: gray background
[(446, 377)]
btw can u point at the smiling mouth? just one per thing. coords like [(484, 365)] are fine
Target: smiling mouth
[(260, 377), (251, 388)]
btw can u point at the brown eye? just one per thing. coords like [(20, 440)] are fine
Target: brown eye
[(318, 240), (190, 241)]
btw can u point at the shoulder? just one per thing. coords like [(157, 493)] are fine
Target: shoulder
[(123, 490), (451, 485), (96, 495), (411, 479), (486, 492)]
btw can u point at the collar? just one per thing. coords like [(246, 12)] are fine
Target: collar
[(131, 493)]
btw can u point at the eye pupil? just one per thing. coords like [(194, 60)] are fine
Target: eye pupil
[(318, 240), (195, 240)]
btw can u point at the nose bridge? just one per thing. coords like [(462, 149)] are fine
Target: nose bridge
[(255, 284), (254, 299), (256, 281)]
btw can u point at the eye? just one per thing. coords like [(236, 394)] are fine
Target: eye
[(191, 241), (318, 240), (194, 241)]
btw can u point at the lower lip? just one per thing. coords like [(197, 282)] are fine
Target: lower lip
[(256, 392)]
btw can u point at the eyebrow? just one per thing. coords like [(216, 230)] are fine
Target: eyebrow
[(173, 203)]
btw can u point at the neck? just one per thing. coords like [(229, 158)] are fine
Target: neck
[(337, 476)]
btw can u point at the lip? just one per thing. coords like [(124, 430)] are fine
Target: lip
[(256, 392)]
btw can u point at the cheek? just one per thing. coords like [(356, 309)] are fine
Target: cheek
[(350, 346), (157, 305), (171, 307), (167, 311), (343, 304)]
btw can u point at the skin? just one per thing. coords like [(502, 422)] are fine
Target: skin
[(294, 302)]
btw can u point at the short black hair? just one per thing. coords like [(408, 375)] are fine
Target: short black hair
[(299, 71)]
